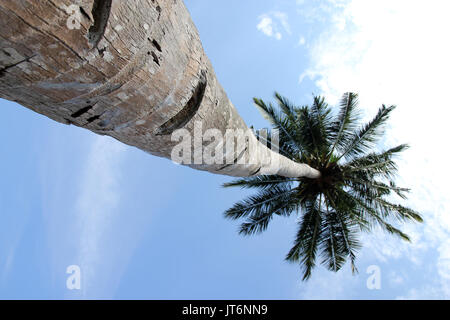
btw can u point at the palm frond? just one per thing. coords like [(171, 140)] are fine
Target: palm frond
[(276, 119), (265, 201), (349, 239), (399, 211), (259, 221), (308, 133), (260, 182), (364, 138), (322, 121), (378, 218), (346, 232), (307, 241), (345, 124), (375, 164), (256, 224), (332, 253), (286, 106), (285, 146), (373, 158), (363, 183)]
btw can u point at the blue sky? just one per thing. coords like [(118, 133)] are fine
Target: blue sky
[(141, 227)]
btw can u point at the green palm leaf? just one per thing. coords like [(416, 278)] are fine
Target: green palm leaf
[(345, 124), (260, 182), (364, 139), (307, 241), (264, 201), (276, 119)]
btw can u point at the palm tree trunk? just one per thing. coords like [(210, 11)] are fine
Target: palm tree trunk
[(134, 70)]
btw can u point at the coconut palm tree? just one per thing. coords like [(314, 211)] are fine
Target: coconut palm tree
[(134, 70), (350, 197)]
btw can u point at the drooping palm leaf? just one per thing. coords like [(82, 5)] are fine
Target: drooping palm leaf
[(265, 201), (261, 182), (307, 241)]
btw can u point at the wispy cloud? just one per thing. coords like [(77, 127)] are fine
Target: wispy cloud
[(87, 213), (272, 24), (265, 25), (328, 286), (301, 41), (96, 214), (405, 63)]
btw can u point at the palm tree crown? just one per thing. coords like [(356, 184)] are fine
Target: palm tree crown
[(348, 198)]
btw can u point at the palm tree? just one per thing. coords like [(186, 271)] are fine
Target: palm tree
[(134, 70), (350, 196)]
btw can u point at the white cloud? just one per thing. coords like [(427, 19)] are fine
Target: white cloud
[(7, 263), (265, 25), (269, 24), (444, 260), (396, 279), (283, 19), (397, 60), (95, 215), (89, 220), (326, 285), (301, 41)]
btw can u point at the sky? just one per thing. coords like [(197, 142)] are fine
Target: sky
[(141, 227)]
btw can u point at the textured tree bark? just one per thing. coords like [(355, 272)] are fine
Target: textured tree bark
[(134, 70)]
